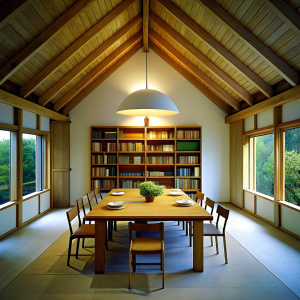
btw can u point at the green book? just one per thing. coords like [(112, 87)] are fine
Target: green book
[(188, 146)]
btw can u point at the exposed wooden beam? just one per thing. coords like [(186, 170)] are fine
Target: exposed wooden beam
[(78, 44), (46, 97), (21, 103), (285, 97), (28, 51), (287, 72), (196, 72), (207, 38), (10, 9), (211, 96), (95, 72), (286, 13), (98, 81), (202, 58), (145, 25)]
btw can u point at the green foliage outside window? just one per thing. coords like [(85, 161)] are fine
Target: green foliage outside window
[(29, 164), (4, 166)]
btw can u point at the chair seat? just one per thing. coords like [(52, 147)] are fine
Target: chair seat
[(85, 230), (146, 244), (211, 229)]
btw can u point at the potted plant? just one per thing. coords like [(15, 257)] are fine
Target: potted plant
[(150, 190)]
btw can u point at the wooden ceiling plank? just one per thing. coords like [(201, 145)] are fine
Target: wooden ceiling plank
[(223, 94), (98, 81), (254, 43), (203, 59), (19, 102), (211, 96), (45, 98), (203, 35), (52, 67), (286, 13), (11, 9), (28, 51), (94, 73), (145, 25), (280, 99)]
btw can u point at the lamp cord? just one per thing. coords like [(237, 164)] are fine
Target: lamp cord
[(146, 73)]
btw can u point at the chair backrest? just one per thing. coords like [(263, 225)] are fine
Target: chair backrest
[(210, 203), (80, 207), (146, 228), (224, 212), (86, 201), (199, 197), (98, 195), (91, 197), (71, 215)]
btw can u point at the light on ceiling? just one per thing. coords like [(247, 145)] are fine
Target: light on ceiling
[(147, 102)]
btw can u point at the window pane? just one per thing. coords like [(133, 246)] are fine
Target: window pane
[(265, 164), (4, 166), (292, 166), (29, 164)]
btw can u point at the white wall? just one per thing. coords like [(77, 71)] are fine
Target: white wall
[(99, 108)]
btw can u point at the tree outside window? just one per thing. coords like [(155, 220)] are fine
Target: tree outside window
[(292, 166), (4, 166), (29, 163)]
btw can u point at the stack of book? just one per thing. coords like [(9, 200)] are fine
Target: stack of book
[(188, 171), (160, 148), (188, 134), (131, 147), (161, 134), (104, 135), (160, 160), (187, 159)]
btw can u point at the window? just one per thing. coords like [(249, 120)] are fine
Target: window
[(292, 166), (4, 166), (33, 163), (263, 170)]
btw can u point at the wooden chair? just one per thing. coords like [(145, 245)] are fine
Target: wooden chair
[(210, 203), (146, 245), (98, 195), (83, 231), (211, 229), (199, 197), (91, 196)]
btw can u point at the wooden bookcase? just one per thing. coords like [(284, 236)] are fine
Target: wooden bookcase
[(122, 157)]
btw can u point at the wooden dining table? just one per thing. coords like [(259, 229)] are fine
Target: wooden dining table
[(163, 208)]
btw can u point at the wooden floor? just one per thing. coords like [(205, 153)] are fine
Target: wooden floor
[(264, 263)]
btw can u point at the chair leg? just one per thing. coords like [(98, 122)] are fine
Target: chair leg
[(69, 252), (211, 241), (77, 247), (178, 223), (183, 225), (187, 227), (225, 250), (129, 271), (217, 247), (163, 269), (115, 225), (134, 262), (83, 242)]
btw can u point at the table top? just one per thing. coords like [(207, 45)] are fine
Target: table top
[(163, 208)]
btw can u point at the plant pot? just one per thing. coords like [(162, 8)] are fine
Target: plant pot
[(150, 198)]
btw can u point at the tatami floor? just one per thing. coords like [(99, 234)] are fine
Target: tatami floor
[(264, 263)]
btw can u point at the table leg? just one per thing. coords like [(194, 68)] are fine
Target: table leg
[(100, 233), (198, 265)]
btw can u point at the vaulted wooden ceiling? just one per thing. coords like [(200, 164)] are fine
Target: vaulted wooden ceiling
[(236, 52)]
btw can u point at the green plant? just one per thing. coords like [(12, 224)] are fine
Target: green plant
[(149, 188)]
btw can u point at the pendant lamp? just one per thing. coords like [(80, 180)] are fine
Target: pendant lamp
[(147, 102)]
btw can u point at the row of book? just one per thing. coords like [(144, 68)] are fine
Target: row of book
[(187, 184), (160, 160), (194, 171), (131, 147), (129, 184), (188, 134), (161, 134), (187, 159), (104, 159), (159, 173), (126, 159), (192, 196), (160, 148), (104, 171), (104, 184), (109, 147), (104, 135), (131, 173)]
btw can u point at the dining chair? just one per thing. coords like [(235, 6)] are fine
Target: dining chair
[(91, 196), (83, 231), (213, 229), (98, 195), (146, 245), (199, 197), (208, 203)]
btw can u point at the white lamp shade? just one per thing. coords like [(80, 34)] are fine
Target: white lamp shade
[(147, 102)]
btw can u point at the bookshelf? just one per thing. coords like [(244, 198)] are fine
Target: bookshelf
[(123, 157)]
